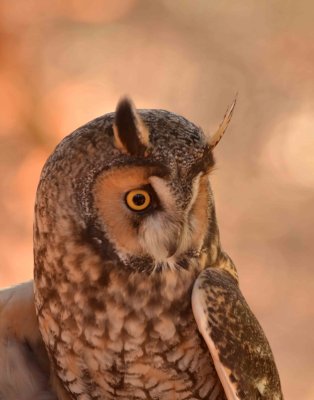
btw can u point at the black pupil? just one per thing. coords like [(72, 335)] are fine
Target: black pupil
[(139, 199)]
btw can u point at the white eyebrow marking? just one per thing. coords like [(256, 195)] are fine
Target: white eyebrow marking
[(164, 194), (195, 190)]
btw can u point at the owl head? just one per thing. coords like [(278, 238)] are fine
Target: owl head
[(131, 187)]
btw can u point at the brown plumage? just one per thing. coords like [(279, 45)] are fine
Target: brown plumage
[(125, 230)]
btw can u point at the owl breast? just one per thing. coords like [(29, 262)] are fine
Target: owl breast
[(134, 339)]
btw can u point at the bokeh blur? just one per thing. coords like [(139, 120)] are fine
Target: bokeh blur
[(62, 63)]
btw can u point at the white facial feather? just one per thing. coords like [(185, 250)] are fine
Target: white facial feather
[(162, 229), (158, 230), (155, 235)]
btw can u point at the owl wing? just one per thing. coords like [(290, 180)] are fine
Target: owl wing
[(237, 343), (24, 363)]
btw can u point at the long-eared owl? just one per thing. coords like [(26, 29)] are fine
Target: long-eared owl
[(135, 297)]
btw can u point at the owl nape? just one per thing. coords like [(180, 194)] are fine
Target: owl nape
[(133, 296)]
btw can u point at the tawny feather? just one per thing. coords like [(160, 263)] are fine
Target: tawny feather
[(215, 138)]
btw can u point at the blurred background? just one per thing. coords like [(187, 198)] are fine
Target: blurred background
[(62, 63)]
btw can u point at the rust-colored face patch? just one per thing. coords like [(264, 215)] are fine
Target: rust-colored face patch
[(122, 223), (109, 196)]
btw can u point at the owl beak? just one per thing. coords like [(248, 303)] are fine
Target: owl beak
[(173, 247), (176, 242)]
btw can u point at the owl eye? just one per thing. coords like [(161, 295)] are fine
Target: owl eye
[(138, 199)]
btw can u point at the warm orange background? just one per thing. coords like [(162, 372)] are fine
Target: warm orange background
[(63, 63)]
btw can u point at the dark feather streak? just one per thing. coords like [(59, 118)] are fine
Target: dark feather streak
[(125, 121)]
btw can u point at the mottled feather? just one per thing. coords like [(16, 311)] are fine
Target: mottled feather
[(113, 286), (241, 353)]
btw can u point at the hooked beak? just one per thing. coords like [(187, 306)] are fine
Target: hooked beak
[(173, 246), (176, 241)]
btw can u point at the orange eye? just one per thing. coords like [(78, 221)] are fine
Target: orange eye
[(138, 199)]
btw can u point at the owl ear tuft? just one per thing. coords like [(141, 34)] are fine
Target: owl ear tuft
[(130, 133), (215, 138)]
